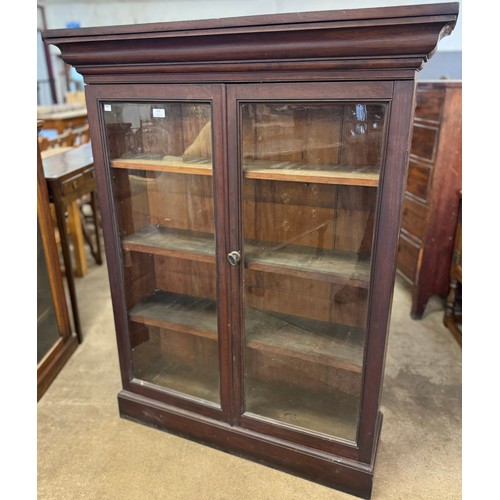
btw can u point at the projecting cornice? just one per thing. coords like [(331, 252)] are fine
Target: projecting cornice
[(377, 39)]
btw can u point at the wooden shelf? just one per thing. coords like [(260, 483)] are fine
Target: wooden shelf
[(299, 338), (305, 172), (326, 265), (259, 169), (305, 339), (323, 265), (157, 163), (333, 413), (183, 313), (173, 243)]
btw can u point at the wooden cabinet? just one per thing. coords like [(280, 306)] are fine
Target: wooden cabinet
[(431, 198), (251, 174), (55, 339)]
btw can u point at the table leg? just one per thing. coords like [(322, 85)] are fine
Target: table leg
[(63, 234), (95, 214), (75, 230), (95, 248)]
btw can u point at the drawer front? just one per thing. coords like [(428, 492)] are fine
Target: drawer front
[(424, 141), (414, 218), (82, 183), (408, 257), (429, 104), (419, 177)]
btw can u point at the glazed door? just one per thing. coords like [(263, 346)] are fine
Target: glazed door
[(243, 232), (161, 164), (310, 161)]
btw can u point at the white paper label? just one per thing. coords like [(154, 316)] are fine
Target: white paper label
[(158, 113), (107, 107)]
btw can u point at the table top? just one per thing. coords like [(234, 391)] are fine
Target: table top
[(47, 153), (61, 111), (67, 161)]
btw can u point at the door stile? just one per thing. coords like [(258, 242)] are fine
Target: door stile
[(384, 261), (234, 182), (223, 233), (110, 231)]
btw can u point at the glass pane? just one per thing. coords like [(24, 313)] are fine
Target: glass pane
[(47, 328), (161, 172), (311, 172)]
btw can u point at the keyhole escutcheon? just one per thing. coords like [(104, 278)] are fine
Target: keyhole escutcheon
[(233, 257)]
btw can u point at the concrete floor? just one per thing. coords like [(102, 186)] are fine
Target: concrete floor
[(86, 451)]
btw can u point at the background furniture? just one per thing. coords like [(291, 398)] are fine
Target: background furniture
[(70, 176), (56, 341), (75, 96), (77, 212), (453, 311), (63, 116), (251, 211), (431, 204), (68, 138)]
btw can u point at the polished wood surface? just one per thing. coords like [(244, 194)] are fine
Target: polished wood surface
[(367, 55), (57, 356), (68, 161), (431, 204)]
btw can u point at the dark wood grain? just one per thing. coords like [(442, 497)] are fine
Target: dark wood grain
[(335, 471), (418, 184), (415, 216), (388, 221), (424, 141)]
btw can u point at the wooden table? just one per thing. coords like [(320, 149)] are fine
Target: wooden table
[(74, 226), (62, 116), (70, 175)]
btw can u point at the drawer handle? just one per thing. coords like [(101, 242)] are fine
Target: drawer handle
[(233, 257)]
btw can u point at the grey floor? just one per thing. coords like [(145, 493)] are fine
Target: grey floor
[(86, 451)]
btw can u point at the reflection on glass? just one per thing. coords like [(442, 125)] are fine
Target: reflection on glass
[(161, 172), (311, 172), (47, 328)]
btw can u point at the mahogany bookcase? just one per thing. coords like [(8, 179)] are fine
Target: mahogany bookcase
[(251, 173)]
